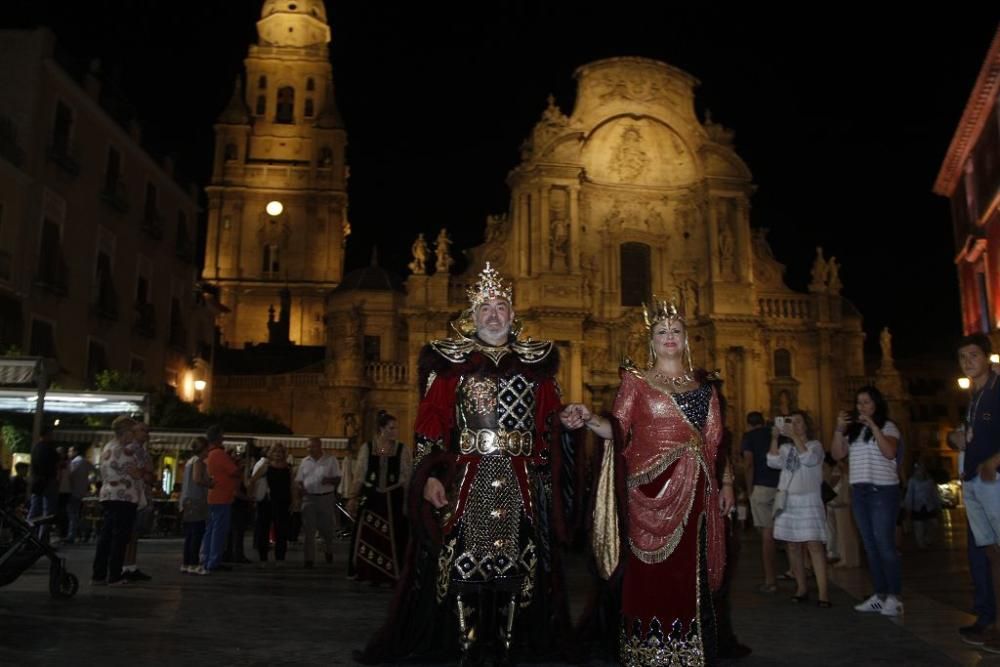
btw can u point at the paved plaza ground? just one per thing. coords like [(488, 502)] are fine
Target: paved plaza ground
[(293, 616)]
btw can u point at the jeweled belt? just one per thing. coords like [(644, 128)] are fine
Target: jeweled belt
[(488, 441)]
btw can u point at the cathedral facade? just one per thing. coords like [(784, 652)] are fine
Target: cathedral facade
[(628, 196)]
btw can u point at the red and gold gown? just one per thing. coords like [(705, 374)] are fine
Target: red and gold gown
[(673, 551)]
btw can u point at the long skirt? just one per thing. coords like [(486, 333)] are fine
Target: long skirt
[(667, 614), (379, 540)]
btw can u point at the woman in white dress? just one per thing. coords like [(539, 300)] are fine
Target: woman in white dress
[(802, 521)]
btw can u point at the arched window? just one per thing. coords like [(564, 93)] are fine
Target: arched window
[(261, 105), (286, 105), (262, 82), (309, 108), (310, 84), (326, 157), (272, 262), (782, 363), (636, 278)]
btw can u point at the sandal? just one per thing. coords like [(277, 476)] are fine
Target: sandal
[(767, 589), (800, 598), (825, 604)]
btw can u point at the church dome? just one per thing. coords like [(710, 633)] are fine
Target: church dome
[(296, 23)]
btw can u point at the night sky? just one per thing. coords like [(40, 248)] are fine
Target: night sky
[(843, 117)]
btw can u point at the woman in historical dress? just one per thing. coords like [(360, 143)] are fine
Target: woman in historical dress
[(381, 475), (666, 425)]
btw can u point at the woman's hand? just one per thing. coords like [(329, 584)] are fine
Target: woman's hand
[(434, 493), (574, 416), (867, 421), (727, 499), (843, 420)]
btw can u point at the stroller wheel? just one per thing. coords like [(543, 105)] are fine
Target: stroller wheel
[(65, 586)]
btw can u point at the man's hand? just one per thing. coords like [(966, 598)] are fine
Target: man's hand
[(727, 500), (434, 493)]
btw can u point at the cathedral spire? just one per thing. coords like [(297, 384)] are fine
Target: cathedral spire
[(236, 112)]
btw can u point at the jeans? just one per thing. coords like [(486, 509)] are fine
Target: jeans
[(43, 504), (116, 531), (194, 532), (73, 508), (216, 533), (983, 605), (875, 510)]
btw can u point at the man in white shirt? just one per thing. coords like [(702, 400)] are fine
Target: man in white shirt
[(317, 478), (79, 483)]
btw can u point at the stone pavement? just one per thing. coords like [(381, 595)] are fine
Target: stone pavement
[(293, 616)]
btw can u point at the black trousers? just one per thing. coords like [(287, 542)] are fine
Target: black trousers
[(116, 531), (268, 513)]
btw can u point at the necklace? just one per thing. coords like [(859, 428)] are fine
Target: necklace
[(673, 380), (383, 449)]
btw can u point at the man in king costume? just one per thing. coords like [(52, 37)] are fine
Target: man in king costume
[(489, 496)]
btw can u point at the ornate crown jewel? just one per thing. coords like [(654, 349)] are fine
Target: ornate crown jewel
[(490, 286), (662, 309)]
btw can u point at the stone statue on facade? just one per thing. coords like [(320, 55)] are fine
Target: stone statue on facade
[(834, 281), (442, 246), (820, 272), (419, 264), (727, 251), (885, 340)]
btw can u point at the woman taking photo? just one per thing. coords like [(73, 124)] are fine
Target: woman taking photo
[(802, 520), (666, 425), (870, 441), (381, 474)]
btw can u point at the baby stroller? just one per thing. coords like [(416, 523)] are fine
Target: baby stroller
[(20, 547)]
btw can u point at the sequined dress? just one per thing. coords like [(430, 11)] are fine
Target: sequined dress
[(675, 549)]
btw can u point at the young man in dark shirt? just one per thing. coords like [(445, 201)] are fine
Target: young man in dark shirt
[(762, 485), (980, 488)]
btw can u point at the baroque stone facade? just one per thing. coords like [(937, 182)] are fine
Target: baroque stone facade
[(628, 196)]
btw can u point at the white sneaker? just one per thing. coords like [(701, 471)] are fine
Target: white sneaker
[(185, 569), (200, 570), (873, 604), (892, 606)]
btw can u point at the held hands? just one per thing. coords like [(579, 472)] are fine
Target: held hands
[(574, 416), (434, 493)]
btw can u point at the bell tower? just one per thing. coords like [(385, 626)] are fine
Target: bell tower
[(277, 213)]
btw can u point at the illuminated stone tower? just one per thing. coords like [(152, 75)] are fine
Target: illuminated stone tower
[(280, 139)]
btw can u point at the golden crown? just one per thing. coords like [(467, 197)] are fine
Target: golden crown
[(490, 286), (662, 309)]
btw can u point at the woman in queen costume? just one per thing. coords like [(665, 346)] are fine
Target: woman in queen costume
[(658, 516)]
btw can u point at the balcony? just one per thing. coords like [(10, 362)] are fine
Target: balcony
[(105, 304), (784, 307), (61, 157), (387, 373), (152, 224), (53, 275), (115, 196), (145, 320)]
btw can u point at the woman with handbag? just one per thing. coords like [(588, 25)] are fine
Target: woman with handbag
[(800, 517)]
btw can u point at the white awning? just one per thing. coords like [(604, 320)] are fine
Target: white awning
[(181, 440), (74, 402)]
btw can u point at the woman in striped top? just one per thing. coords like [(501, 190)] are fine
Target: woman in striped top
[(870, 441)]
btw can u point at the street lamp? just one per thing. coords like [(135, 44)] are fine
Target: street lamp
[(274, 208), (995, 358), (964, 383), (199, 387)]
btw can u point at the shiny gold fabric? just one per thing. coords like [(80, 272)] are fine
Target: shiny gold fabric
[(663, 444), (605, 538)]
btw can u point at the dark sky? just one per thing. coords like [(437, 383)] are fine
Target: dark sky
[(843, 117)]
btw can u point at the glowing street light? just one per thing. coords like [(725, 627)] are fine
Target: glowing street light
[(199, 385), (274, 208), (964, 383), (995, 358)]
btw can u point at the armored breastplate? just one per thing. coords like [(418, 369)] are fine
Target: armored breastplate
[(504, 403)]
